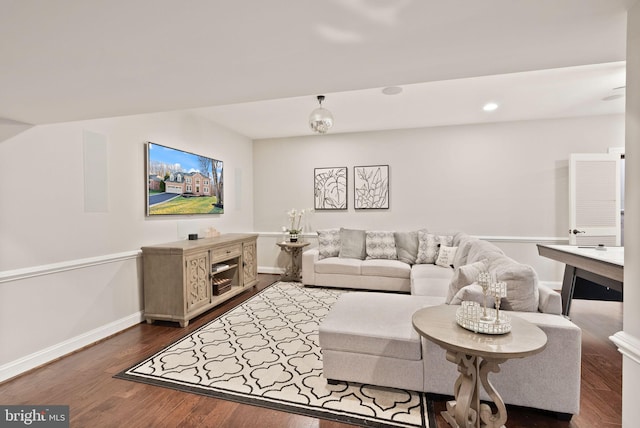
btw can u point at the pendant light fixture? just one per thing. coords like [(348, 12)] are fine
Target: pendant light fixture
[(320, 119)]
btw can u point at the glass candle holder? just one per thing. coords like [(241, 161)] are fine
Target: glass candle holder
[(484, 280), (498, 290)]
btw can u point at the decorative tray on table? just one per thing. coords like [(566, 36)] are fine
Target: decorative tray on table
[(471, 316)]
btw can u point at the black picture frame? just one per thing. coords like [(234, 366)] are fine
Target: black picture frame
[(330, 188), (371, 187)]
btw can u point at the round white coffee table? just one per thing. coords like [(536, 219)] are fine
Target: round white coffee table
[(476, 356)]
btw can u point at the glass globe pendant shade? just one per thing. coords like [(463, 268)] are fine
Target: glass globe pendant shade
[(321, 119)]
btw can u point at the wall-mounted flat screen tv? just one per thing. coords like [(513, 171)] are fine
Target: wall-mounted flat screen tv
[(182, 183)]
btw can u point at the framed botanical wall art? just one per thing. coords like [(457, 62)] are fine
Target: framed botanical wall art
[(371, 187), (330, 188)]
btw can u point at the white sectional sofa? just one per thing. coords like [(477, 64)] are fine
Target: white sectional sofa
[(368, 336)]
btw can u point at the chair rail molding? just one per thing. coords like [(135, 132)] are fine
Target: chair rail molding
[(628, 345), (492, 238), (30, 272)]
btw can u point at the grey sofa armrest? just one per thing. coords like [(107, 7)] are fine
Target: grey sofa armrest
[(309, 259), (550, 301)]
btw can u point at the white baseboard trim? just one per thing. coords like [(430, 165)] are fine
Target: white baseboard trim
[(26, 363), (628, 345), (30, 272), (270, 270)]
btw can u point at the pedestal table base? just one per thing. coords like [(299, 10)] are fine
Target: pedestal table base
[(466, 411)]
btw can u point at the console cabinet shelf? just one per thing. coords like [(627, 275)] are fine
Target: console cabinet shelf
[(183, 279)]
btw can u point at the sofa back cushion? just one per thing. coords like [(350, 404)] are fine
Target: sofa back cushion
[(464, 244), (328, 243), (522, 284), (353, 244), (406, 246), (380, 245), (481, 250)]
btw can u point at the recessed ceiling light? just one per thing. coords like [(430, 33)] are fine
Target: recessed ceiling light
[(490, 106), (392, 90)]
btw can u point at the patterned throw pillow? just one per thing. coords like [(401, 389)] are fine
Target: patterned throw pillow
[(446, 256), (381, 245), (428, 246), (328, 243)]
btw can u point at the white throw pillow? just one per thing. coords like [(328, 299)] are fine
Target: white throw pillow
[(446, 256), (472, 293), (463, 276)]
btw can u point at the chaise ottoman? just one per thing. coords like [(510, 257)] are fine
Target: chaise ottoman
[(367, 337)]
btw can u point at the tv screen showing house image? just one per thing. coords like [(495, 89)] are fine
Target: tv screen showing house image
[(182, 183)]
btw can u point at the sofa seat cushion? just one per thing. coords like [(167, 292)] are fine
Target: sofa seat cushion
[(337, 265), (387, 268), (433, 287), (431, 271), (374, 324)]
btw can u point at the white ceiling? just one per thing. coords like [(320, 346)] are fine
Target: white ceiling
[(255, 66)]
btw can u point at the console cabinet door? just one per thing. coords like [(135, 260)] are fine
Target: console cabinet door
[(198, 288), (249, 264)]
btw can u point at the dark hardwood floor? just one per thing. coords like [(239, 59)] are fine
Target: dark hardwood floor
[(84, 381)]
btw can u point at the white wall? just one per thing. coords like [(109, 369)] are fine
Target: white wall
[(505, 180), (43, 218), (67, 276)]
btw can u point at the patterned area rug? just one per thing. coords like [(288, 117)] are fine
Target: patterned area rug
[(265, 352)]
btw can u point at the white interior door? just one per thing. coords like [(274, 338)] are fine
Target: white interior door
[(594, 194)]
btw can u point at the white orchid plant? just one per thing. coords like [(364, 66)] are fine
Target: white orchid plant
[(295, 221)]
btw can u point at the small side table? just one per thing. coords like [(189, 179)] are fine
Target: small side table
[(476, 356), (292, 272)]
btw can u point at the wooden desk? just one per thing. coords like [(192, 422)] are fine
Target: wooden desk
[(292, 272), (603, 267), (476, 356)]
